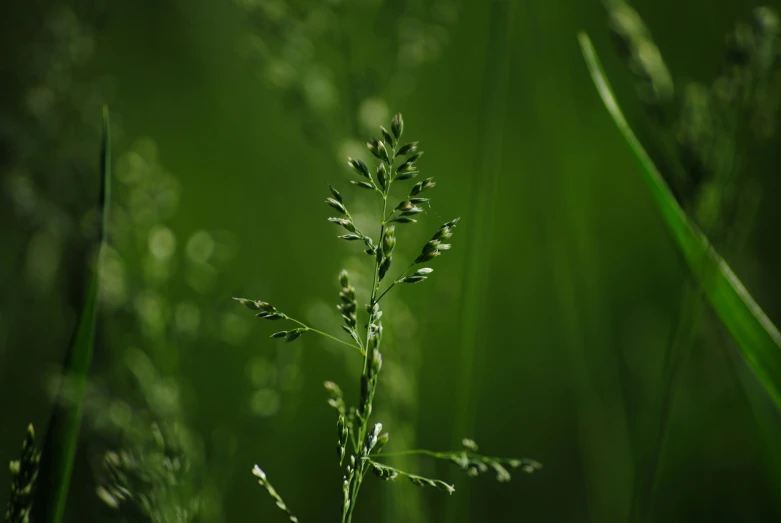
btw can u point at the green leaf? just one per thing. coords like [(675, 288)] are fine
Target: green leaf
[(757, 338), (59, 448)]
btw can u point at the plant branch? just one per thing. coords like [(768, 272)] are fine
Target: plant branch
[(329, 336), (411, 265)]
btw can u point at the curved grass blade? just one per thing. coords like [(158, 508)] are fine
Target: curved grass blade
[(757, 339), (59, 447)]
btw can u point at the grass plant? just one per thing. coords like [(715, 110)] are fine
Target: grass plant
[(61, 439), (360, 439)]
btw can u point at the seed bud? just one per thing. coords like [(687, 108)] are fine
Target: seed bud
[(336, 205), (397, 125), (389, 240), (387, 136), (374, 146), (384, 266), (335, 193), (293, 335), (421, 186), (383, 151), (408, 148), (382, 175), (362, 184)]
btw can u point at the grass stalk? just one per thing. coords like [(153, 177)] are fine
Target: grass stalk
[(61, 440), (356, 426), (757, 338)]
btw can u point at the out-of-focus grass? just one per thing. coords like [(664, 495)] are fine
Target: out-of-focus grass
[(59, 448), (756, 337)]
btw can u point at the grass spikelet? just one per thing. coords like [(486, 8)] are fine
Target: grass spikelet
[(59, 448), (263, 482), (24, 473)]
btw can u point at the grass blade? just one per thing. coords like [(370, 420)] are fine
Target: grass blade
[(755, 335), (59, 449)]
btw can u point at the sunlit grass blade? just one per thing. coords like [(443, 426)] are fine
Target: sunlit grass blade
[(755, 335), (756, 338), (61, 439)]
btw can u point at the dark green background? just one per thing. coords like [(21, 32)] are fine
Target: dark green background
[(561, 268)]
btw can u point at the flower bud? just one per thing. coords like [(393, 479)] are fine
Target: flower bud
[(386, 135), (359, 167), (382, 175), (374, 146), (397, 125), (383, 151), (389, 240)]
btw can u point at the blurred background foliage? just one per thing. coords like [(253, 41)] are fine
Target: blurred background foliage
[(544, 335)]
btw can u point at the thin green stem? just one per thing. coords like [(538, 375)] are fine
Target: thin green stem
[(356, 347), (413, 452), (307, 327), (357, 230), (356, 478), (438, 455), (389, 217), (389, 288), (411, 265)]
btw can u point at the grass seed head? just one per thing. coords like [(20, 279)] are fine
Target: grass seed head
[(350, 237), (384, 267), (654, 82), (359, 167), (376, 362), (382, 176), (421, 186), (469, 444), (390, 140), (383, 150), (362, 184), (389, 240), (342, 436), (294, 335), (336, 398), (408, 148), (336, 205), (348, 306), (336, 194), (397, 125), (381, 442), (383, 472), (263, 482), (24, 474), (344, 222), (374, 146)]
